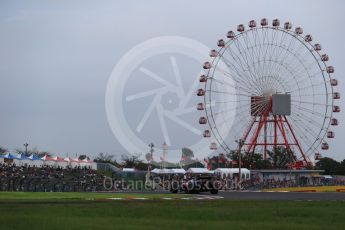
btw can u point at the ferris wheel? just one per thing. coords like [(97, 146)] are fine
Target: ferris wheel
[(275, 89)]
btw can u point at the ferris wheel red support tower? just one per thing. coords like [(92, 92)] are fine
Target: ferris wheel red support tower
[(258, 126)]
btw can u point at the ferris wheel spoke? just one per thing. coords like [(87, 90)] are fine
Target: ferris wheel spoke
[(225, 92), (301, 134), (300, 124), (287, 49), (225, 111), (230, 101), (253, 46), (304, 68), (316, 94), (308, 110), (259, 108), (242, 66), (302, 79), (293, 67), (274, 79), (309, 120), (297, 61), (259, 44), (239, 86), (243, 53), (311, 103), (283, 38), (239, 76), (238, 132), (293, 51), (233, 77), (307, 87), (272, 49), (252, 55), (238, 61)]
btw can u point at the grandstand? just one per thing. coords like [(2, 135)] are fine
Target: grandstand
[(48, 178)]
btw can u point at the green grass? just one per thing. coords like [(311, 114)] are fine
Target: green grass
[(160, 214), (60, 196)]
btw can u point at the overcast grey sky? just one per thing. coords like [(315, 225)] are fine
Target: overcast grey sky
[(56, 58)]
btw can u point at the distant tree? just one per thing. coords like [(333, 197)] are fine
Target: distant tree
[(331, 166), (3, 150), (104, 158), (214, 162), (280, 157), (34, 151), (133, 161), (192, 164), (249, 160), (148, 157), (187, 153), (82, 157), (42, 153), (341, 169)]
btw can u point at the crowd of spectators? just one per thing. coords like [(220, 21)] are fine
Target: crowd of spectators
[(49, 179), (255, 183)]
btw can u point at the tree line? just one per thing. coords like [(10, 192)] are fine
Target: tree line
[(278, 158)]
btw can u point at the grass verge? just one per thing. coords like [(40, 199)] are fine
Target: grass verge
[(162, 214)]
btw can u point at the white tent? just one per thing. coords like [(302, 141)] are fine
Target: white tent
[(160, 171), (21, 160), (69, 160), (87, 163), (59, 161), (75, 162), (47, 160), (199, 170), (229, 172), (177, 171), (128, 170)]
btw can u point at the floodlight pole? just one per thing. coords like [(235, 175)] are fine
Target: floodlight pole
[(26, 148), (151, 145), (239, 164)]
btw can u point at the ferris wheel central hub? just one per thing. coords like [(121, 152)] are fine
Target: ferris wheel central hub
[(268, 93)]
